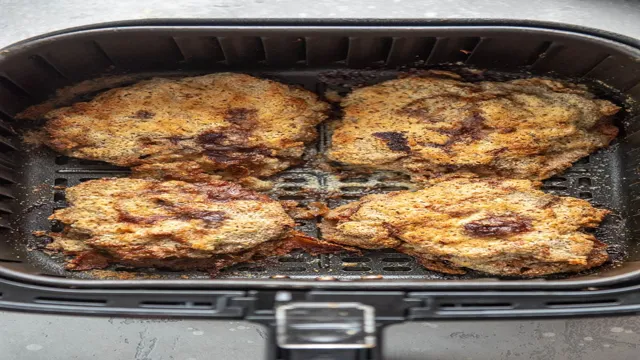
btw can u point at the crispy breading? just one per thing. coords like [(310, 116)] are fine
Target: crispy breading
[(437, 124), (171, 224), (226, 124), (496, 226)]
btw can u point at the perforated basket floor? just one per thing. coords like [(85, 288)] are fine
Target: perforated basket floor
[(43, 176)]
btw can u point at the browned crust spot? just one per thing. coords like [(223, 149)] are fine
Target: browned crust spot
[(241, 117), (395, 141), (144, 114), (498, 226)]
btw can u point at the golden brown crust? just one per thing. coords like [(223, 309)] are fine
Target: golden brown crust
[(92, 259), (174, 225), (230, 124), (134, 219), (496, 226), (432, 125)]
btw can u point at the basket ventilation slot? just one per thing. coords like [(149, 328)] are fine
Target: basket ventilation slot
[(177, 305), (70, 302), (462, 306), (582, 303)]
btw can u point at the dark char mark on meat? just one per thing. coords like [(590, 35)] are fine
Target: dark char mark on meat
[(241, 116), (144, 114), (220, 148), (209, 217), (498, 226), (395, 141), (210, 138), (471, 127)]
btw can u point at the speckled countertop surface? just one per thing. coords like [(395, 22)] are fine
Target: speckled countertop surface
[(54, 337), (21, 19)]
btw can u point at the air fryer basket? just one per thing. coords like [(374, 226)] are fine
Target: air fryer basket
[(319, 59)]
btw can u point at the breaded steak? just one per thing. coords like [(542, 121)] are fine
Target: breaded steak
[(496, 226), (438, 124), (231, 124), (171, 224)]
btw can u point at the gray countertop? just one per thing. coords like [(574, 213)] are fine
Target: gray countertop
[(21, 19), (54, 337), (51, 337)]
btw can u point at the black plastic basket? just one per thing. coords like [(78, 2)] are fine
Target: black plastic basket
[(382, 287)]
